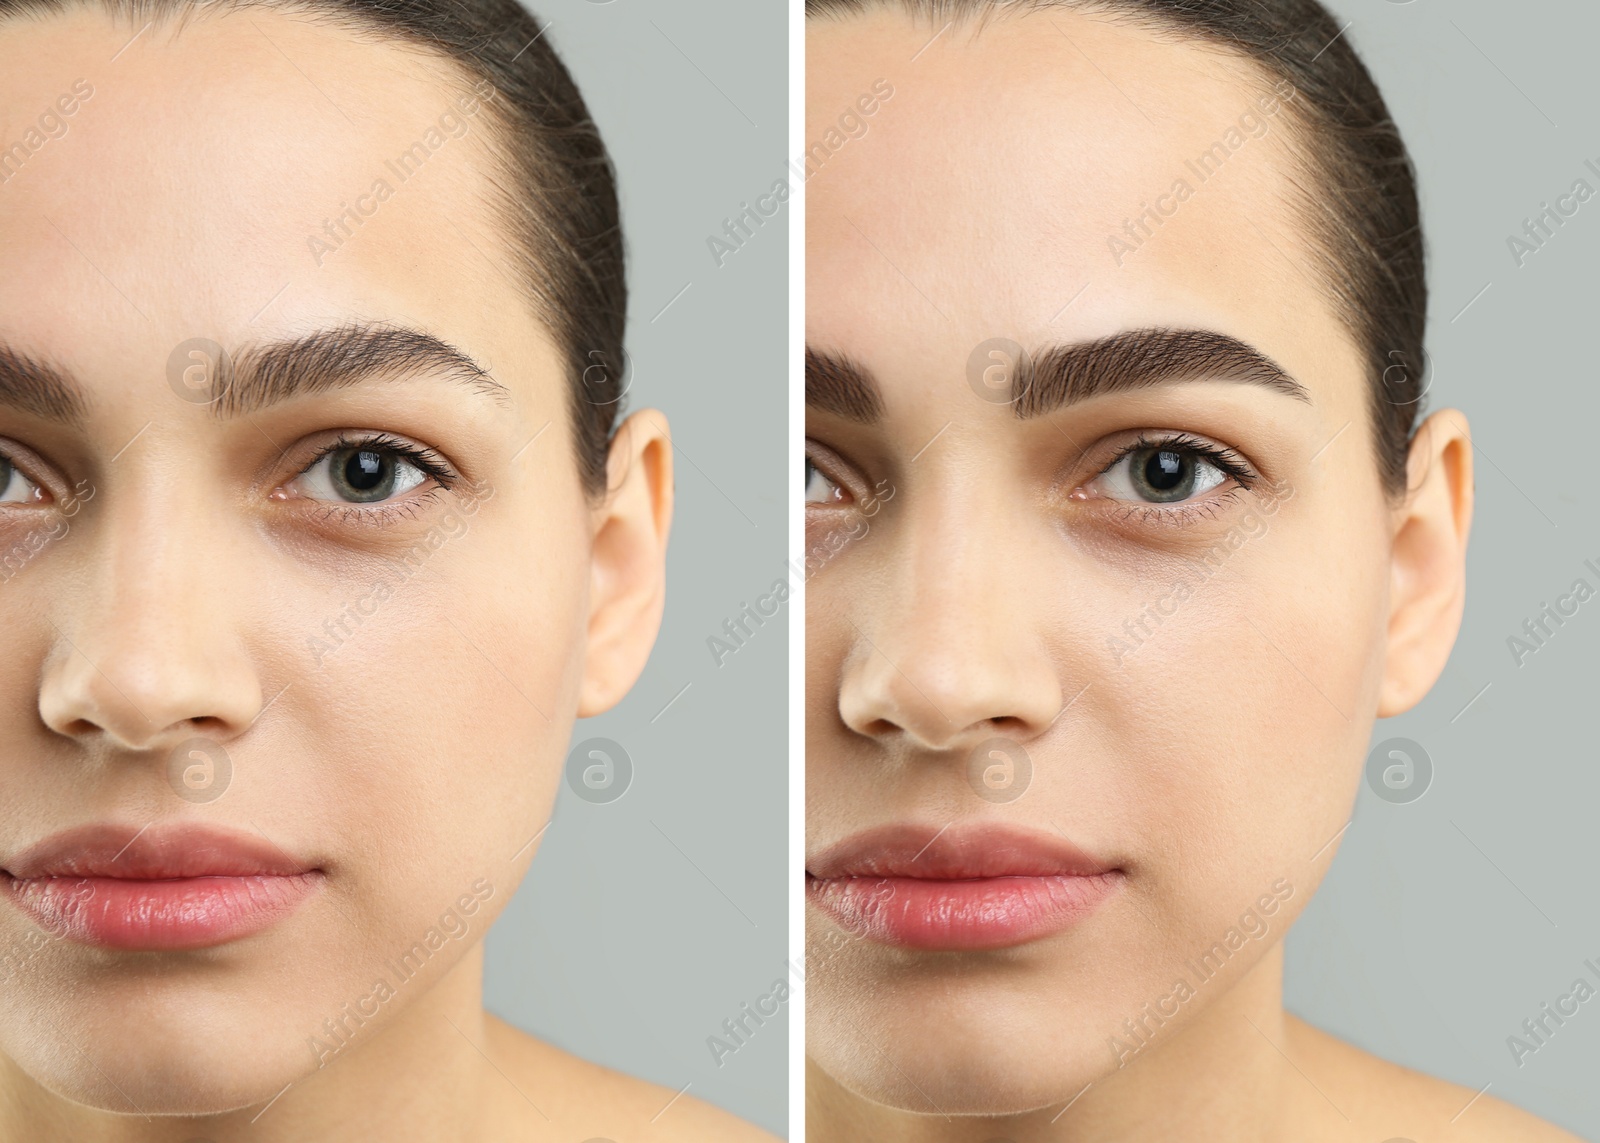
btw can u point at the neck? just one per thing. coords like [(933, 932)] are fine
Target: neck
[(412, 1081), (1219, 1079)]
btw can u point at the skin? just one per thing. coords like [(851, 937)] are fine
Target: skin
[(200, 562), (981, 564)]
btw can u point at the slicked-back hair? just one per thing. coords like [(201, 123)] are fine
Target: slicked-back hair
[(1357, 199), (554, 191)]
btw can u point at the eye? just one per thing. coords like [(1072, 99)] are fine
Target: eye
[(366, 472), (819, 488), (16, 488), (1168, 472)]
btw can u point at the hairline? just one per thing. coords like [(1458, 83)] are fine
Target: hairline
[(1304, 170), (504, 195)]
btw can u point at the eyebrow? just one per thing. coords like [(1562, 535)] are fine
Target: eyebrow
[(258, 376), (1062, 375), (836, 384), (38, 387)]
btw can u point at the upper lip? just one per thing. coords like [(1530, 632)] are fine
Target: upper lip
[(152, 853), (959, 851)]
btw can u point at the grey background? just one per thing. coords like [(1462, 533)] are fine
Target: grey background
[(645, 922), (1445, 922)]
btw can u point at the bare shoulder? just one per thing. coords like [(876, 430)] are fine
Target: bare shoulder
[(574, 1099), (1406, 1104)]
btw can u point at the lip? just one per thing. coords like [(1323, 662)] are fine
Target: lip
[(161, 888), (958, 889)]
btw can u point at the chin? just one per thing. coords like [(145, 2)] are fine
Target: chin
[(996, 1062), (177, 1091), (154, 1051), (199, 1081), (976, 1087)]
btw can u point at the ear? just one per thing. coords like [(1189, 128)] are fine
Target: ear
[(1428, 566), (628, 577)]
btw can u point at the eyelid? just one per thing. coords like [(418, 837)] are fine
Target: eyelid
[(441, 476), (36, 472), (836, 469), (1227, 459), (420, 456)]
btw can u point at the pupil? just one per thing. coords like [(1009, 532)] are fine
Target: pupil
[(366, 474), (1164, 470), (1166, 474)]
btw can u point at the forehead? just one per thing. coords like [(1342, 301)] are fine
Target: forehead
[(236, 177), (1043, 160)]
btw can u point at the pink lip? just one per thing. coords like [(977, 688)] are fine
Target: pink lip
[(964, 888), (164, 888)]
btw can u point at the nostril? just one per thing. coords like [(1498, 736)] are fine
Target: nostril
[(1009, 725), (208, 724)]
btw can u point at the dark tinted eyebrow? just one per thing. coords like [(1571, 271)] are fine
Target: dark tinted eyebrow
[(257, 376), (835, 384), (1062, 375), (38, 387), (331, 359), (1135, 359)]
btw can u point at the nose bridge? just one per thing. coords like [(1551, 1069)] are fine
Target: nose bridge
[(155, 551), (145, 643), (951, 646), (949, 580)]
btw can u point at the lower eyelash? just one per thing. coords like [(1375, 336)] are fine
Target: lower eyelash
[(1178, 515), (375, 515)]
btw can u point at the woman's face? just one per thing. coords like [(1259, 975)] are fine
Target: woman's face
[(1166, 586), (383, 645)]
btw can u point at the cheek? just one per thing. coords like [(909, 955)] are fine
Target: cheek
[(839, 765), (446, 716), (1240, 722)]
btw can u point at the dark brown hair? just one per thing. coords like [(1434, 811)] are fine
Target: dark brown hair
[(1359, 205), (555, 189)]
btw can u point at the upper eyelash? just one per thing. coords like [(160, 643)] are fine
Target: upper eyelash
[(32, 479), (1221, 456), (422, 457), (835, 481)]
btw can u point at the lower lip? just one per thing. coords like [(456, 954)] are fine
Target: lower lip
[(960, 916), (164, 916)]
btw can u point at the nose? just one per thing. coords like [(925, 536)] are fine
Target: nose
[(950, 648), (143, 651)]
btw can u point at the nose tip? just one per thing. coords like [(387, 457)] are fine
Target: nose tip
[(946, 693), (142, 692)]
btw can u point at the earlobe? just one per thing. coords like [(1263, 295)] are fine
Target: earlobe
[(1427, 584), (627, 583)]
